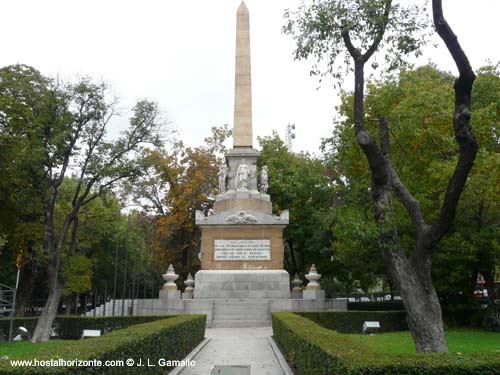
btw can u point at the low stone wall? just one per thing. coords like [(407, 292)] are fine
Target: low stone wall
[(208, 307)]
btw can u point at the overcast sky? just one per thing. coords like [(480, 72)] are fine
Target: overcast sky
[(180, 53)]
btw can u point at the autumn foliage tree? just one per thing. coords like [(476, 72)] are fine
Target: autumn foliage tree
[(179, 181)]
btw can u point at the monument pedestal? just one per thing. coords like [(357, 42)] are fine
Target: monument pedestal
[(318, 295), (242, 284)]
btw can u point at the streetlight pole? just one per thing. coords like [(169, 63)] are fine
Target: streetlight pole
[(290, 136), (126, 265), (116, 259), (13, 309)]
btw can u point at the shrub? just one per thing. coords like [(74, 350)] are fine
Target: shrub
[(169, 339), (352, 321), (376, 306), (71, 327), (28, 323), (313, 349)]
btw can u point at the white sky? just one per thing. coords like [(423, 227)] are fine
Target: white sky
[(181, 54)]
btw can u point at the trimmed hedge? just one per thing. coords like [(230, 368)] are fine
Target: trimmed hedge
[(376, 306), (169, 339), (28, 323), (352, 321), (71, 327), (313, 349)]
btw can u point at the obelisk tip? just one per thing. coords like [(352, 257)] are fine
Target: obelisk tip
[(243, 8), (242, 131)]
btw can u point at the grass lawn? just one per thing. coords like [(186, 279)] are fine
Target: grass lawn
[(18, 348), (459, 341)]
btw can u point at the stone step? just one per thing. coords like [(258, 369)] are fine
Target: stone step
[(241, 308), (242, 317), (242, 301), (241, 313), (241, 323), (259, 314)]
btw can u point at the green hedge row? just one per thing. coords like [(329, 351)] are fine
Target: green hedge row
[(28, 323), (312, 349), (352, 321), (71, 327), (168, 339), (376, 306)]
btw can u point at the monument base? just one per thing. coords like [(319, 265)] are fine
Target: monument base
[(242, 284)]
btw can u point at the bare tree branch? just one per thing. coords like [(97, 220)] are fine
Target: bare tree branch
[(461, 124)]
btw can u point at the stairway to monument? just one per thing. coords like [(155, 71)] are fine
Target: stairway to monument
[(241, 313)]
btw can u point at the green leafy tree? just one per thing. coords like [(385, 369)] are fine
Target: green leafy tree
[(23, 188), (424, 157), (328, 29), (304, 185), (73, 130), (76, 274)]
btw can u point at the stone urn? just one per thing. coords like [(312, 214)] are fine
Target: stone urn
[(189, 284), (296, 283), (313, 276), (170, 278)]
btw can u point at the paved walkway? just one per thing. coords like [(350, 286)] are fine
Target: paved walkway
[(239, 347)]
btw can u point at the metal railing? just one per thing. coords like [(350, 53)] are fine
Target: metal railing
[(6, 300)]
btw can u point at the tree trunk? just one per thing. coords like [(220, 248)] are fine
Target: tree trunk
[(293, 261), (70, 303), (49, 312), (423, 310)]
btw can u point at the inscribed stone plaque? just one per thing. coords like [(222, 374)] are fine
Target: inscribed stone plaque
[(242, 249)]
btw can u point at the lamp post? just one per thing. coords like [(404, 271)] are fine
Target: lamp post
[(19, 262), (289, 136)]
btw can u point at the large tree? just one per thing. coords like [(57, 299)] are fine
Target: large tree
[(424, 157), (23, 188), (62, 128), (359, 29)]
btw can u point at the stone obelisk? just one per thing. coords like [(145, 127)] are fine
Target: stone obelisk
[(241, 240), (242, 132)]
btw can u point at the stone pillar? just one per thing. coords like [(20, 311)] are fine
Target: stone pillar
[(169, 289), (242, 131)]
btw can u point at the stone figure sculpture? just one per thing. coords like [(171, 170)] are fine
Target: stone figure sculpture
[(264, 182), (222, 177), (242, 177), (200, 216)]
